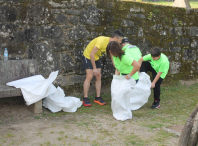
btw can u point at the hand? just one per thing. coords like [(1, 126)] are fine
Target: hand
[(117, 72), (127, 77), (95, 72), (152, 85)]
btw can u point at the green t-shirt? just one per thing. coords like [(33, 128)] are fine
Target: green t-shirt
[(135, 53), (124, 65), (160, 65)]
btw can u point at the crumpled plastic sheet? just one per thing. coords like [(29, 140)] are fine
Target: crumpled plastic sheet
[(57, 102), (35, 88), (126, 95)]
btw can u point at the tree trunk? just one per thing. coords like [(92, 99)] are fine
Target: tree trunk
[(189, 132), (182, 3), (193, 136)]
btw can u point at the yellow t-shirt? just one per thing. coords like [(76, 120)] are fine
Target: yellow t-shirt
[(101, 43)]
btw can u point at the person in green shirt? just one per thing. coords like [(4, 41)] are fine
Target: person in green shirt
[(134, 51), (157, 63), (122, 60)]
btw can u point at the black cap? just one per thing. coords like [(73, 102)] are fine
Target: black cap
[(125, 40)]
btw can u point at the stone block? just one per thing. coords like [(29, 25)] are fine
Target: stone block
[(73, 20), (189, 54), (17, 69), (36, 107), (175, 67), (127, 23), (91, 16), (175, 49), (141, 16), (74, 12), (61, 18), (6, 91)]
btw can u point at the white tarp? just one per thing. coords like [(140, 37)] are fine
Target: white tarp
[(126, 95), (36, 88), (57, 102)]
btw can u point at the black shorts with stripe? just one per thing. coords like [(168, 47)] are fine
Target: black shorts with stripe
[(87, 63)]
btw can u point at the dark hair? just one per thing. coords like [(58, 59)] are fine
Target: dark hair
[(125, 40), (155, 52), (115, 49), (117, 33)]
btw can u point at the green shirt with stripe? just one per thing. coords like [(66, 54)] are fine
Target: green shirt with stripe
[(135, 53)]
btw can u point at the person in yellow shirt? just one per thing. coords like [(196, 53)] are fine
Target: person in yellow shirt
[(92, 65)]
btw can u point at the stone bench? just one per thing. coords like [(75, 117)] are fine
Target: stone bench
[(12, 70)]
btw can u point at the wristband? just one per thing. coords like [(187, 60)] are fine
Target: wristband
[(129, 76)]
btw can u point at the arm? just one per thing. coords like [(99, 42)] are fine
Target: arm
[(156, 79), (92, 58), (136, 66), (140, 60)]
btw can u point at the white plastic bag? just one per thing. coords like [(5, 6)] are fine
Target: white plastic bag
[(126, 95), (57, 102)]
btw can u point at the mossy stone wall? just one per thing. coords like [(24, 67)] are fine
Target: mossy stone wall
[(55, 33)]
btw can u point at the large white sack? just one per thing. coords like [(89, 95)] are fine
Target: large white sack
[(36, 87), (126, 95), (142, 90), (57, 102)]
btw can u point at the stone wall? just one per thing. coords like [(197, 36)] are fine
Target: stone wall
[(55, 32)]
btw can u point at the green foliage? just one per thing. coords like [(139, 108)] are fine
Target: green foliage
[(180, 23), (150, 15), (156, 11)]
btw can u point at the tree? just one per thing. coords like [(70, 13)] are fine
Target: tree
[(189, 134)]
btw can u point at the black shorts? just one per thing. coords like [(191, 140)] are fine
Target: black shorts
[(87, 63)]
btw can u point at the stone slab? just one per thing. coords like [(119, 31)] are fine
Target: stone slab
[(12, 70), (176, 129), (6, 91)]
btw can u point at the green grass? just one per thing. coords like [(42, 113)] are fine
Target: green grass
[(177, 103), (192, 4)]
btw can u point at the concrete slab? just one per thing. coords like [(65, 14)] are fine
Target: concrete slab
[(36, 107), (12, 70), (6, 91), (177, 129)]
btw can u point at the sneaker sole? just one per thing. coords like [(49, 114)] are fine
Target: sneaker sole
[(99, 103), (86, 104), (156, 107)]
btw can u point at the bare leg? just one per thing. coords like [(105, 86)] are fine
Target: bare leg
[(86, 84), (98, 82)]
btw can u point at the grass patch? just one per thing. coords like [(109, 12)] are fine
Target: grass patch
[(177, 103), (192, 4), (132, 139)]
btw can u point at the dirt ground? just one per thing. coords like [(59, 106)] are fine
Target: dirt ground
[(18, 126)]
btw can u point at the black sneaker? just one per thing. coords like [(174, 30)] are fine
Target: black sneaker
[(86, 102), (99, 100), (156, 104)]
